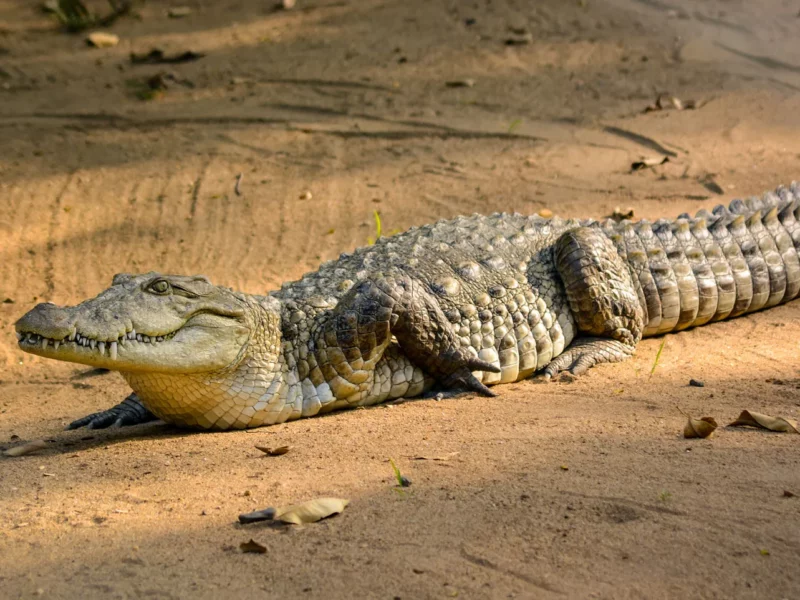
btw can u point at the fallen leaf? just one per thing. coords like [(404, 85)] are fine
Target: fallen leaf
[(442, 458), (666, 101), (253, 546), (460, 83), (519, 39), (156, 56), (26, 448), (311, 511), (621, 214), (281, 450), (178, 12), (699, 428), (761, 421), (99, 39), (649, 162), (545, 213), (259, 515)]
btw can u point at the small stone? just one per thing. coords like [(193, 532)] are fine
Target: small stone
[(696, 383), (288, 4), (99, 39), (545, 213), (306, 195), (788, 494)]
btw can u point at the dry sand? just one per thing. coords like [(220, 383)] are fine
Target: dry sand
[(579, 490)]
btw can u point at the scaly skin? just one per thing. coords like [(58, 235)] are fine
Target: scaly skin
[(465, 304)]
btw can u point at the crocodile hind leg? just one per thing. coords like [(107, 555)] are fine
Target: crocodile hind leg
[(603, 300), (130, 411), (361, 327)]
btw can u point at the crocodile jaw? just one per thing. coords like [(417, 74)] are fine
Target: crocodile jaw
[(199, 346)]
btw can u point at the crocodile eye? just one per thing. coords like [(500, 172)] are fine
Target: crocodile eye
[(159, 287)]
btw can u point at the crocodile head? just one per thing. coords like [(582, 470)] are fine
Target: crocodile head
[(145, 323)]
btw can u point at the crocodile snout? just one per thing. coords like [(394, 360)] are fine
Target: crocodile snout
[(47, 320)]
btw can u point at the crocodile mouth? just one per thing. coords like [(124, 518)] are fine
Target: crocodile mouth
[(77, 342)]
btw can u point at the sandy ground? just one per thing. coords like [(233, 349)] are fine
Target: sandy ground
[(579, 490)]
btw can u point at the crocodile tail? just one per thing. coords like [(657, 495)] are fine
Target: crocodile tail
[(716, 265)]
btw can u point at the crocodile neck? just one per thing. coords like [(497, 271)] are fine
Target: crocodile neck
[(250, 393)]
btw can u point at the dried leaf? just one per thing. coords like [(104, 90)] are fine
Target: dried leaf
[(311, 511), (26, 448), (253, 546), (699, 428), (621, 214), (761, 421), (281, 450), (260, 515), (460, 83), (519, 39), (178, 12), (646, 163), (98, 39), (666, 101), (545, 213), (156, 56), (442, 458)]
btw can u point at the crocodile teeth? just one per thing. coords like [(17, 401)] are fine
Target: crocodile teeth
[(102, 347), (93, 344), (20, 337), (160, 339), (44, 343), (131, 335), (112, 350), (73, 334), (56, 344), (139, 337)]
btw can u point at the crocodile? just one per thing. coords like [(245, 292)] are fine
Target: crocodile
[(458, 305)]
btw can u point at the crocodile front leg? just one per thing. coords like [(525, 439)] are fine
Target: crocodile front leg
[(603, 299), (130, 411), (379, 307)]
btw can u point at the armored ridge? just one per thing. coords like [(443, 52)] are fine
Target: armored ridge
[(463, 304)]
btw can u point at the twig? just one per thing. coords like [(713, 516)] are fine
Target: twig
[(236, 189), (658, 356)]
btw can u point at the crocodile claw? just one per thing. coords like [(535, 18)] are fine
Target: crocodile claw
[(130, 411), (463, 377)]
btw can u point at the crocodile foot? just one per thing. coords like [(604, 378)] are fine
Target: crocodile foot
[(130, 411), (585, 353)]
